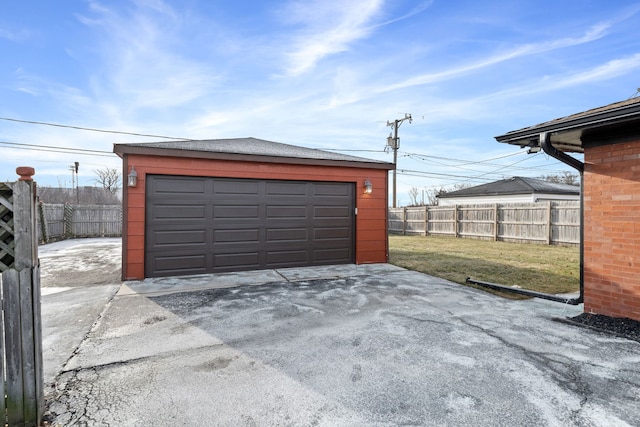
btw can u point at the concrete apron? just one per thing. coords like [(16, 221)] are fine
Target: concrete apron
[(341, 345)]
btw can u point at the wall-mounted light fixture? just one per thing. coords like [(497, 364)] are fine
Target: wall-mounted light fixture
[(368, 187), (132, 178)]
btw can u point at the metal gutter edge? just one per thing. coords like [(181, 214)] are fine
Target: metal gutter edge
[(586, 119)]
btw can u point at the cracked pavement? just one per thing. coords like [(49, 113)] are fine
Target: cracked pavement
[(342, 345)]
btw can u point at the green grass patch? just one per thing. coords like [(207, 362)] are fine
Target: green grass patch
[(542, 268)]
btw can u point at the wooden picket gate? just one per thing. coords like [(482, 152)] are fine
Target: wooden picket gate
[(21, 370)]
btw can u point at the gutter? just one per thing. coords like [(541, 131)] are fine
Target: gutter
[(545, 143), (598, 117)]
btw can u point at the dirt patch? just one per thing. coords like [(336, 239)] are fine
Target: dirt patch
[(80, 262)]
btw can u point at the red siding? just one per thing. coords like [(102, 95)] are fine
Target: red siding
[(612, 230), (371, 221)]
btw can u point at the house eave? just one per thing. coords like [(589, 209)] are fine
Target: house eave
[(574, 133)]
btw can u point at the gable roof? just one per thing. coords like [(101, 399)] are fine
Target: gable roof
[(514, 185), (248, 149), (598, 126)]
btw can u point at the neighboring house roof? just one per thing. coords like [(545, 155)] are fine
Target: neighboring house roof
[(248, 149), (515, 185), (617, 122)]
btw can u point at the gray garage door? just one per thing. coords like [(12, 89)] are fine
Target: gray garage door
[(207, 225)]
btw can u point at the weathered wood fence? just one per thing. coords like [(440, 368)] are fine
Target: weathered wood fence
[(21, 370), (66, 221), (550, 223)]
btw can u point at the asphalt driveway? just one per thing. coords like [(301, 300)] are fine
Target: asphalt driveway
[(344, 345)]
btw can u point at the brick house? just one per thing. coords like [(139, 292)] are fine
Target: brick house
[(609, 138), (224, 205)]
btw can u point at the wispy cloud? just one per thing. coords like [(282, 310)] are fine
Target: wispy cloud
[(326, 28), (14, 35), (595, 32), (606, 71), (143, 57), (484, 107)]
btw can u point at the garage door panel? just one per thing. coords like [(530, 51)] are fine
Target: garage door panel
[(286, 212), (331, 255), (289, 258), (179, 188), (236, 187), (236, 211), (245, 224), (331, 212), (179, 212), (244, 261), (287, 234), (236, 236), (332, 190), (186, 264), (331, 233), (280, 188), (164, 238)]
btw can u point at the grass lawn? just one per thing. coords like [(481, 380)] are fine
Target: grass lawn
[(549, 269)]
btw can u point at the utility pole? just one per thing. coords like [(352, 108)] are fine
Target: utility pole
[(394, 143), (76, 164), (74, 182)]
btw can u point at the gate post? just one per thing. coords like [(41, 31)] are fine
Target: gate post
[(22, 315)]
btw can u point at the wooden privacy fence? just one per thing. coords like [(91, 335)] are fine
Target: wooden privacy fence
[(21, 370), (551, 223), (66, 221)]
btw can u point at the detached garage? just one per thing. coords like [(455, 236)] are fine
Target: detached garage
[(195, 207)]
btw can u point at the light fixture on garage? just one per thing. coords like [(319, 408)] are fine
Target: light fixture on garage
[(368, 187), (132, 178)]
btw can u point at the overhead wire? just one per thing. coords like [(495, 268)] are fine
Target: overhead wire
[(54, 149), (33, 122), (421, 159)]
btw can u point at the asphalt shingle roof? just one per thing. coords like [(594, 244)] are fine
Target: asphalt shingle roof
[(515, 185), (252, 147)]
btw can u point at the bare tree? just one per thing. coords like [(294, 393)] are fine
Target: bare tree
[(87, 196), (413, 196), (432, 195), (109, 178), (565, 177)]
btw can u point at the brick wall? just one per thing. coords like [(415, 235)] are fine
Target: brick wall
[(612, 230), (371, 221)]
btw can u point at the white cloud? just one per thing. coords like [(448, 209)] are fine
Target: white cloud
[(326, 28), (595, 32), (14, 35), (144, 61)]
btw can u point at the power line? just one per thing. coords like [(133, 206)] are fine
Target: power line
[(53, 146), (466, 162), (421, 159), (436, 174), (32, 122), (53, 149)]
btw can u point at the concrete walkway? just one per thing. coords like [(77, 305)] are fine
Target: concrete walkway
[(341, 345)]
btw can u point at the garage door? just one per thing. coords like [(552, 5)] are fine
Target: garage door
[(200, 225)]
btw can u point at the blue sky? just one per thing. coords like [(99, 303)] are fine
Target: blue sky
[(320, 73)]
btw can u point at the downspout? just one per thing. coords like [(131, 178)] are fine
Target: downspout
[(545, 144)]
